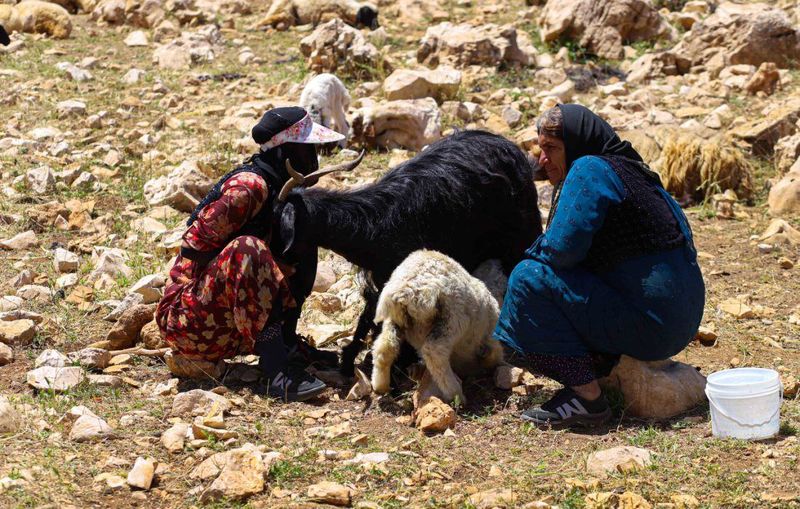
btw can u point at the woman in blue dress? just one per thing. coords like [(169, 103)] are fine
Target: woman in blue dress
[(615, 272)]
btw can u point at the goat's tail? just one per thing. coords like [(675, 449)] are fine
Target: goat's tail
[(407, 304)]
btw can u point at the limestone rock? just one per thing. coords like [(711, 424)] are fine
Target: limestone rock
[(65, 261), (435, 416), (91, 358), (659, 389), (765, 80), (136, 39), (37, 293), (410, 124), (54, 378), (110, 11), (186, 367), (174, 56), (41, 180), (71, 108), (149, 287), (151, 336), (129, 301), (6, 354), (336, 47), (490, 499), (24, 240), (199, 402), (784, 196), (464, 45), (124, 333), (241, 477), (441, 84), (17, 332), (90, 428), (507, 377), (743, 33), (737, 308), (10, 419), (325, 277), (601, 463), (174, 438), (764, 132), (141, 475), (110, 262), (787, 152), (181, 189), (327, 492), (603, 27), (52, 358), (74, 72), (656, 65)]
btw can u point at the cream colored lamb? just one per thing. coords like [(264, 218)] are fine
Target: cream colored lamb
[(446, 314), (326, 99), (285, 13), (36, 17)]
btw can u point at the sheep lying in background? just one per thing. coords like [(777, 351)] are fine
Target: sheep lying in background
[(434, 304), (285, 13), (36, 17), (325, 98)]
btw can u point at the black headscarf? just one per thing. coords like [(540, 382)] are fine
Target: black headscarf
[(4, 39), (586, 134)]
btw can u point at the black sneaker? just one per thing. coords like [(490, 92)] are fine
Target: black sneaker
[(567, 409), (295, 384)]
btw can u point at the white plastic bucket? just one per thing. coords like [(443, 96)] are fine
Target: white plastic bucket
[(745, 403)]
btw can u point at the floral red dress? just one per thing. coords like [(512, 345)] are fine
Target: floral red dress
[(215, 311)]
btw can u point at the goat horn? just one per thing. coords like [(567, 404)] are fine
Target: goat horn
[(348, 166), (297, 180)]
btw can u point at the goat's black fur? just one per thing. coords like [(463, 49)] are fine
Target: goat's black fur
[(470, 195), (4, 39)]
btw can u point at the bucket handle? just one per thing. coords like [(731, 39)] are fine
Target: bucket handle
[(780, 403)]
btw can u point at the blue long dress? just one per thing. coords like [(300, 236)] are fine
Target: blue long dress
[(648, 307)]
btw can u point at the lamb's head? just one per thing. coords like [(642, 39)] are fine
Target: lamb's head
[(367, 16)]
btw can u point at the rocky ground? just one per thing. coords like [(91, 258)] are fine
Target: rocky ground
[(119, 118)]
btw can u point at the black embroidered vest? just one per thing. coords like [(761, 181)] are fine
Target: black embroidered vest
[(641, 224), (260, 225)]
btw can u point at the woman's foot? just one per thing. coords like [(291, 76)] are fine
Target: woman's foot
[(294, 384), (566, 408)]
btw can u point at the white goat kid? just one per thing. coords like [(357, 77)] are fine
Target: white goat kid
[(446, 314), (326, 99)]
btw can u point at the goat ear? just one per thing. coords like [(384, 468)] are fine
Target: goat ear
[(287, 228)]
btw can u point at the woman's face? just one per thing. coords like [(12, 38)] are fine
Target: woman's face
[(553, 158)]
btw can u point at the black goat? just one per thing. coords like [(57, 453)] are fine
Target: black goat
[(470, 196)]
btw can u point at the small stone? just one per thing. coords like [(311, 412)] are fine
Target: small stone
[(706, 336), (52, 358), (198, 402), (41, 180), (765, 248), (74, 72), (185, 367), (90, 429), (734, 306), (65, 261), (512, 116), (202, 431), (435, 416), (36, 293), (149, 287), (10, 419), (361, 389), (105, 380), (174, 438), (785, 263), (141, 475), (327, 492), (71, 108), (136, 39), (241, 476), (507, 377), (129, 301), (131, 77), (17, 332), (56, 379), (91, 358), (166, 388), (6, 354), (124, 333), (601, 463), (493, 498), (66, 281), (24, 240)]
